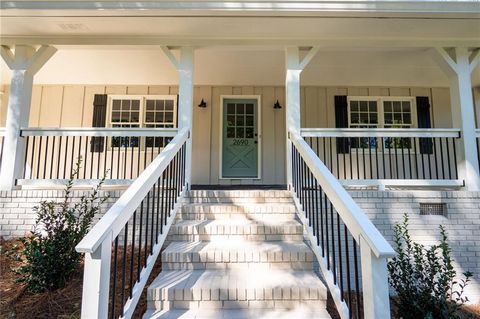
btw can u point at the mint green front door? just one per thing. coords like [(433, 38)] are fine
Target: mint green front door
[(240, 138)]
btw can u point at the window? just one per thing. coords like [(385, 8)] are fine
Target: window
[(149, 111), (381, 112)]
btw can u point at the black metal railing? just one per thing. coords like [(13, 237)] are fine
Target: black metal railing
[(339, 248), (359, 155), (111, 153), (135, 243)]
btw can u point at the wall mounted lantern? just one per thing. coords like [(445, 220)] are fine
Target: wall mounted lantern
[(202, 104), (277, 105)]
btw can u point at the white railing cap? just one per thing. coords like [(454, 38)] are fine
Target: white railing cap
[(117, 216), (351, 214), (381, 132), (98, 131)]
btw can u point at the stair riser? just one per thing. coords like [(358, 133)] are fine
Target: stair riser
[(245, 209), (239, 200), (237, 194), (254, 266), (172, 238), (266, 217), (237, 230), (240, 304), (236, 294), (237, 257)]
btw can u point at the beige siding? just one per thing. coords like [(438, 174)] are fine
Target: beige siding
[(72, 106)]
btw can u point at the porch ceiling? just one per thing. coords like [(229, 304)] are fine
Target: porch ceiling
[(136, 27)]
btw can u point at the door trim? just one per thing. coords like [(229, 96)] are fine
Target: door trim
[(259, 132)]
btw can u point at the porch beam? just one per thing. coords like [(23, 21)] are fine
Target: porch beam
[(294, 67), (24, 61), (202, 41), (458, 64), (184, 65)]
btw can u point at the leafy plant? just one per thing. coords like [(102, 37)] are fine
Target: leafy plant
[(423, 278), (49, 254)]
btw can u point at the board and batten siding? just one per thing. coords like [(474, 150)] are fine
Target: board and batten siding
[(72, 106)]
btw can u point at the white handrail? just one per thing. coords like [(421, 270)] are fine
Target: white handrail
[(117, 216), (352, 215), (99, 131), (381, 132)]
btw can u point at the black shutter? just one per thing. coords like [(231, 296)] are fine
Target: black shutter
[(341, 121), (97, 144), (423, 119)]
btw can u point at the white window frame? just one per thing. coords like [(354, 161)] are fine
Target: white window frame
[(142, 111), (381, 111)]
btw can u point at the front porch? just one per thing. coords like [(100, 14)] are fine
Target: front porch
[(316, 136)]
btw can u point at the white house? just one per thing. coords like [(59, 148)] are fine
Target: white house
[(274, 142)]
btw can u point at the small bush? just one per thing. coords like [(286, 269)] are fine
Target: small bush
[(423, 278), (49, 254)]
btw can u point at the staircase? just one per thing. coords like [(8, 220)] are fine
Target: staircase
[(237, 254)]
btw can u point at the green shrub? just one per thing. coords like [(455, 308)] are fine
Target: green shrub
[(49, 254), (423, 278)]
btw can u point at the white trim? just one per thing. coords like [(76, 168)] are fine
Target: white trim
[(382, 132), (98, 131), (46, 183), (259, 137), (382, 183)]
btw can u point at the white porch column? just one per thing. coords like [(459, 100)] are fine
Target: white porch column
[(294, 67), (458, 64), (24, 62), (184, 67)]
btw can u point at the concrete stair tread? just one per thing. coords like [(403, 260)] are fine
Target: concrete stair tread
[(300, 312), (237, 284)]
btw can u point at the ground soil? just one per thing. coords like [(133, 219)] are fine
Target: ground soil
[(17, 303)]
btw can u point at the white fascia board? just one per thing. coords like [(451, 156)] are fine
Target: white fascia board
[(389, 6), (337, 42)]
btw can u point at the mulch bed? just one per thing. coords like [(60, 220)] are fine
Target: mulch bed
[(65, 303), (17, 303)]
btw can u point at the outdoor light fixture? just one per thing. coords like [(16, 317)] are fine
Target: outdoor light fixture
[(277, 105), (202, 104)]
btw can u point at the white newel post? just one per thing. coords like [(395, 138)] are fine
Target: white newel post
[(294, 67), (458, 64), (185, 100), (24, 62), (376, 298), (96, 281)]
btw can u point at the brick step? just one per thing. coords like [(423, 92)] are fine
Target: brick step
[(239, 200), (259, 212), (247, 208), (298, 312), (254, 194), (234, 288), (232, 254), (198, 230)]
